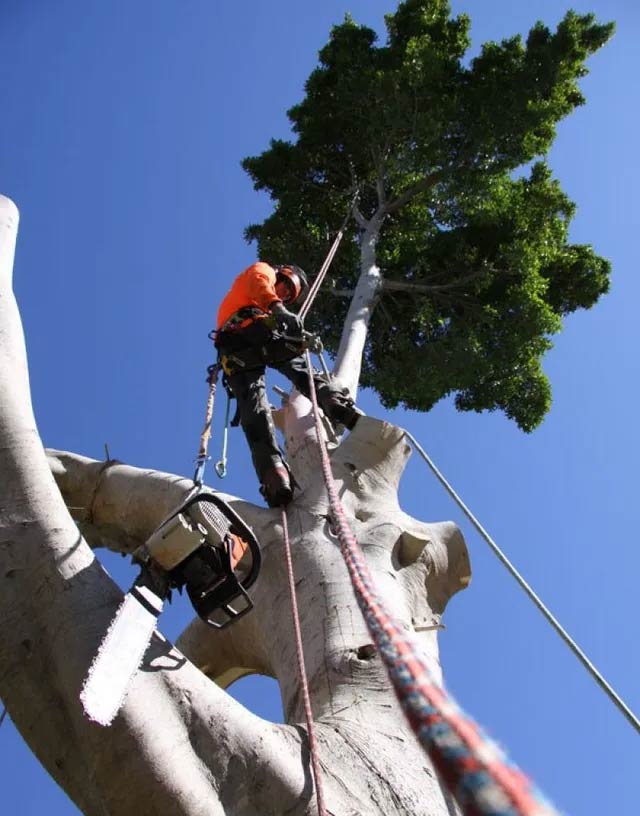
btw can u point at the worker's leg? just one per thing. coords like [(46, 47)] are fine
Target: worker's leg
[(249, 388), (337, 405)]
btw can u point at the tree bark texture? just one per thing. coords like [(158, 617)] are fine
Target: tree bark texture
[(181, 746), (354, 336)]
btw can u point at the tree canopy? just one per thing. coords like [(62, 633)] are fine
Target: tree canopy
[(449, 154)]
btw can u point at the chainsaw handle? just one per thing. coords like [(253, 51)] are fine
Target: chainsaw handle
[(240, 528)]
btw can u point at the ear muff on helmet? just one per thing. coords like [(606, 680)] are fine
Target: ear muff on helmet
[(295, 277)]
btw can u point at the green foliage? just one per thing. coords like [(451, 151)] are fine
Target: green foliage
[(477, 266)]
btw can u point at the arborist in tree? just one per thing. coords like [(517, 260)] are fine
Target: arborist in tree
[(255, 329)]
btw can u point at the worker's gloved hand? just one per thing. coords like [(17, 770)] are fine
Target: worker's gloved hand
[(288, 322)]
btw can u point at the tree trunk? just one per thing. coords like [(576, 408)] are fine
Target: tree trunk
[(354, 335), (181, 745)]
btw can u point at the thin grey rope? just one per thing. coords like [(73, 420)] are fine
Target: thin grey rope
[(593, 671), (317, 283)]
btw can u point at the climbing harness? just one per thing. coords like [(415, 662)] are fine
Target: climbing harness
[(285, 347), (242, 318), (582, 657), (474, 768), (278, 347), (302, 672)]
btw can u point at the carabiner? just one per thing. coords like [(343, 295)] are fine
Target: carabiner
[(220, 466)]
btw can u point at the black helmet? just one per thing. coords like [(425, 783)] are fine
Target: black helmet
[(294, 276)]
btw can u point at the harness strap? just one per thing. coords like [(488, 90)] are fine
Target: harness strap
[(242, 318), (280, 349), (242, 360)]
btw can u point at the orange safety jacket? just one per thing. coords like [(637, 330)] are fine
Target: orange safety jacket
[(255, 287)]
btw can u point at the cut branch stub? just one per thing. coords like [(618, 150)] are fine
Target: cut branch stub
[(225, 655), (440, 552), (372, 460)]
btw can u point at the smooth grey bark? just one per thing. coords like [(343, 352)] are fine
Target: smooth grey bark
[(371, 282), (349, 356), (181, 746)]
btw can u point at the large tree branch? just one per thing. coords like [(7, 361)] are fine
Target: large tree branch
[(380, 186), (181, 746), (120, 505), (354, 334), (368, 466), (348, 363), (361, 221), (387, 285), (430, 288), (57, 603), (412, 191)]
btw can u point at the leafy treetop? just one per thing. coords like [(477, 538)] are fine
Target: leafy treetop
[(449, 159)]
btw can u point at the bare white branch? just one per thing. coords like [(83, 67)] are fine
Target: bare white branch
[(57, 603), (181, 746), (354, 334), (359, 217), (412, 191), (429, 288)]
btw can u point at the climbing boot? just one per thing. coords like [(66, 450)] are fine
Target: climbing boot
[(340, 408), (276, 485)]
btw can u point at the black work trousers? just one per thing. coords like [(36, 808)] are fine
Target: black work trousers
[(249, 387)]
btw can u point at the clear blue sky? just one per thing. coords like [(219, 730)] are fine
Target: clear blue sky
[(123, 125)]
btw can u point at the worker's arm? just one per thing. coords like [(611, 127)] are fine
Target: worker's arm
[(261, 285), (289, 322)]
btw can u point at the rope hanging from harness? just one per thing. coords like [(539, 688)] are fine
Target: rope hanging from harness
[(475, 769), (213, 371), (302, 672)]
